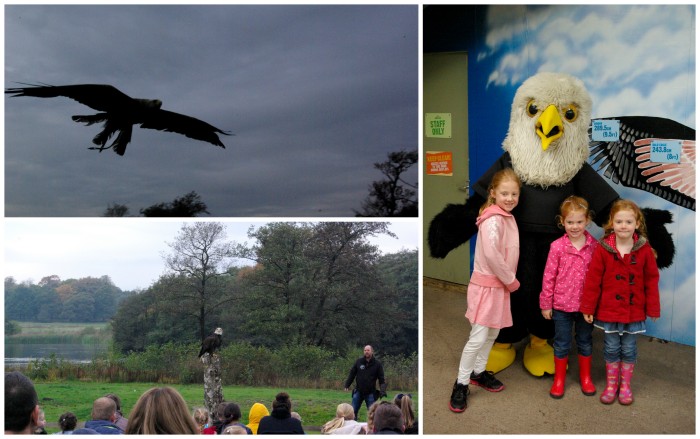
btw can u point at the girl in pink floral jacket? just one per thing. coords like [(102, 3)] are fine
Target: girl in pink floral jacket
[(562, 287), (490, 285)]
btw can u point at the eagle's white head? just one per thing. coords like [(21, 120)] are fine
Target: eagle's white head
[(548, 133), (219, 331)]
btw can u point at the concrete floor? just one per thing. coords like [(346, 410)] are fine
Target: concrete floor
[(663, 385)]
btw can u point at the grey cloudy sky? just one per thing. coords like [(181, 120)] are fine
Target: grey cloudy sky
[(128, 250), (314, 94)]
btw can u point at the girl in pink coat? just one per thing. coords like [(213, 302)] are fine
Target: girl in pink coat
[(562, 287), (490, 285), (620, 292)]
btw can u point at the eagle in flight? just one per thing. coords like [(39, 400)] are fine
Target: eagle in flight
[(120, 113), (628, 160)]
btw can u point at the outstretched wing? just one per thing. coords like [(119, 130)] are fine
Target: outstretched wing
[(97, 96), (191, 127), (627, 161)]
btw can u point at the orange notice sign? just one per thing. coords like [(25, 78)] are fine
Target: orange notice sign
[(438, 162)]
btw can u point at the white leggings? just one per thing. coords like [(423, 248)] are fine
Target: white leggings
[(476, 351)]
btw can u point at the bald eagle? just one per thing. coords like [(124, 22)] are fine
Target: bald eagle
[(211, 343), (120, 112)]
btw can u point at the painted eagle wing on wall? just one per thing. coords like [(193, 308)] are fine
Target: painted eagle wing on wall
[(627, 161)]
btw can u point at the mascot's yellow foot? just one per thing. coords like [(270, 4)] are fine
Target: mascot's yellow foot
[(501, 356), (539, 357)]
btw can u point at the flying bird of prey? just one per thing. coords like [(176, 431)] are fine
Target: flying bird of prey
[(628, 160), (120, 112), (211, 343)]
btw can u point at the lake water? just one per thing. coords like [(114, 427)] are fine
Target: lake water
[(20, 354)]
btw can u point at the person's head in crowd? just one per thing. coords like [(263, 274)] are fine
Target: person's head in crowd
[(405, 403), (388, 417), (344, 412), (234, 429), (201, 417), (282, 402), (221, 411), (21, 404), (161, 410), (257, 412), (116, 399), (41, 423), (104, 409), (67, 421), (370, 417), (232, 413), (296, 415)]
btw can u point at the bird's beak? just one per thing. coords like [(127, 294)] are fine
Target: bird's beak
[(549, 126)]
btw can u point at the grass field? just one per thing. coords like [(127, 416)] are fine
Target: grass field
[(316, 407)]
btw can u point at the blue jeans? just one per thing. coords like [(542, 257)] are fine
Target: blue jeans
[(620, 347), (563, 323), (357, 400)]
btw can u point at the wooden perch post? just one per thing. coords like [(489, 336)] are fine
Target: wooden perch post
[(213, 393)]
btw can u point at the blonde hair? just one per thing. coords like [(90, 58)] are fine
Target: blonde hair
[(370, 415), (161, 410), (621, 205), (234, 429), (200, 416), (506, 174), (572, 204), (344, 412), (406, 406)]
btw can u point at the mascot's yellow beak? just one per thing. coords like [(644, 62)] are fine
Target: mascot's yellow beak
[(549, 126)]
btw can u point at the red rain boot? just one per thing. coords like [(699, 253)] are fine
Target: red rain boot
[(612, 372), (626, 372), (584, 372), (557, 390)]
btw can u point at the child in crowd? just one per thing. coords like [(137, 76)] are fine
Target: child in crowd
[(201, 417), (562, 286), (621, 291), (490, 285)]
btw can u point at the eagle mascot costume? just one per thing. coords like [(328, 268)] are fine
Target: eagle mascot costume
[(547, 145)]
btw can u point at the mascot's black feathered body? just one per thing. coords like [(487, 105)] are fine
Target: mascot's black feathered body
[(547, 145), (211, 343)]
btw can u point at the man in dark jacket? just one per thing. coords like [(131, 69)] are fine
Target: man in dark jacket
[(367, 370)]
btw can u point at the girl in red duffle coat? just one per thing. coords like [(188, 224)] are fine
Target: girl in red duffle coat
[(620, 292)]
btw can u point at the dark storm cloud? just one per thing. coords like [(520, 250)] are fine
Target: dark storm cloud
[(314, 94)]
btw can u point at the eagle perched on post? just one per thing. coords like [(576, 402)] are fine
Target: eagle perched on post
[(120, 112), (211, 343)]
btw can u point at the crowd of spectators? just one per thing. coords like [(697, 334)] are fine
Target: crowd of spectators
[(162, 410)]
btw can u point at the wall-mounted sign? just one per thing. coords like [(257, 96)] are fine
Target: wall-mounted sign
[(438, 163), (666, 151), (605, 130), (438, 125)]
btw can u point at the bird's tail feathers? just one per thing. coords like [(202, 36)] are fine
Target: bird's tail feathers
[(110, 128), (123, 139), (103, 136)]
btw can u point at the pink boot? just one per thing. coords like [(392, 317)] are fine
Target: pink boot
[(612, 372), (557, 390), (584, 371), (626, 373)]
